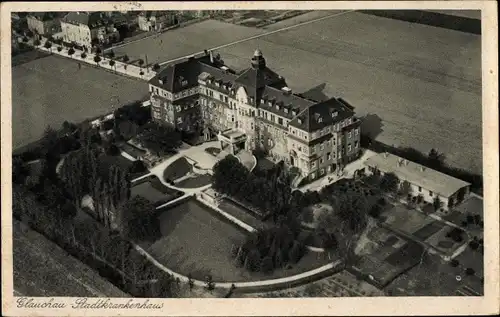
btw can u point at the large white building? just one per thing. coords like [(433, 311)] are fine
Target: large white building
[(87, 28), (423, 181), (255, 109)]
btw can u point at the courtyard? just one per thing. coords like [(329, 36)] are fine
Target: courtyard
[(52, 89)]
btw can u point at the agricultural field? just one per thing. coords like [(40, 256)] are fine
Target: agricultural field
[(188, 40), (41, 268), (421, 84), (51, 90)]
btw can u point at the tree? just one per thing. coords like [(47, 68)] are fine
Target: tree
[(190, 282), (437, 203), (97, 59), (37, 42), (156, 67), (71, 51), (59, 48), (160, 139), (140, 62), (210, 283), (84, 55), (138, 166), (98, 51), (435, 158), (25, 39), (111, 54), (126, 59), (405, 188), (389, 182), (49, 139), (266, 266), (138, 219), (112, 63), (48, 45)]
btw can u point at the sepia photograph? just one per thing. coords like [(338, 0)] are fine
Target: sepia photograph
[(217, 151)]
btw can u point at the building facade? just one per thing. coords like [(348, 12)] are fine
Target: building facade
[(256, 109), (156, 20), (87, 29), (43, 23), (423, 181)]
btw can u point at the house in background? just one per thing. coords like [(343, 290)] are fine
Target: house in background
[(256, 109), (424, 181), (44, 23), (87, 29), (156, 20)]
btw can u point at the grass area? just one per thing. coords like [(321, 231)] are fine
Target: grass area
[(51, 90), (41, 268), (195, 181), (153, 190), (196, 240), (406, 219), (179, 42), (177, 169), (403, 58)]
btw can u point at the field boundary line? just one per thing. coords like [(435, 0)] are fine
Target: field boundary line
[(261, 35)]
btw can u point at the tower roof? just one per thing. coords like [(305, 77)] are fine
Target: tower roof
[(257, 53)]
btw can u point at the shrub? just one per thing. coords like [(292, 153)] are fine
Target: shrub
[(470, 271), (141, 73), (375, 211), (474, 245), (454, 263), (113, 150), (381, 201), (83, 55)]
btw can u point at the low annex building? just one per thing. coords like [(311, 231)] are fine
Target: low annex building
[(424, 181), (255, 108)]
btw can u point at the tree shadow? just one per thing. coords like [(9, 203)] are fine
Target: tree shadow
[(316, 93), (371, 125)]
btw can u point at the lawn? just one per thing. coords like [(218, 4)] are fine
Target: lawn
[(342, 55), (198, 241), (153, 190), (185, 41), (177, 169), (195, 181), (472, 206), (406, 220), (53, 89)]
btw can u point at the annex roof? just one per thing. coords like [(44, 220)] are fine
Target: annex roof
[(417, 174)]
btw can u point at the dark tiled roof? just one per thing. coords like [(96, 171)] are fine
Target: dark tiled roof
[(321, 115), (255, 79), (284, 100), (92, 19), (186, 71)]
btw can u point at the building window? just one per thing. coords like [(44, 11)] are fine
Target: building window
[(328, 156), (322, 171), (321, 147), (349, 134), (430, 193), (178, 108), (179, 120), (349, 148), (356, 131), (280, 121), (321, 160), (225, 99), (419, 189), (356, 144), (313, 164)]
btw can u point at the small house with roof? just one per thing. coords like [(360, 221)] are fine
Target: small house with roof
[(423, 181), (255, 108)]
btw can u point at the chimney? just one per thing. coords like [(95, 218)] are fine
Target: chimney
[(422, 168), (406, 162), (386, 154)]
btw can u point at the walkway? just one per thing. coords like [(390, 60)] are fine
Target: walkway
[(119, 67)]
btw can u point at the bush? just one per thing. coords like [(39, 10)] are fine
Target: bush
[(375, 211), (83, 55), (454, 263), (381, 201), (470, 271), (113, 150), (474, 245)]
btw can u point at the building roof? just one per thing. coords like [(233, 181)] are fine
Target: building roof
[(44, 16), (322, 114), (91, 19), (266, 89), (417, 174)]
